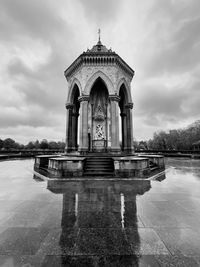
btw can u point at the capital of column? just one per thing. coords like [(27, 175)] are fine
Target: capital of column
[(114, 98), (129, 106), (69, 106), (84, 98)]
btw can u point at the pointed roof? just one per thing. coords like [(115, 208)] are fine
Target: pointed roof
[(98, 51), (99, 48)]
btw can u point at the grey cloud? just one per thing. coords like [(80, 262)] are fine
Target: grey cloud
[(16, 67), (36, 117), (160, 106), (45, 87), (36, 18), (175, 31), (101, 11), (184, 52), (160, 101)]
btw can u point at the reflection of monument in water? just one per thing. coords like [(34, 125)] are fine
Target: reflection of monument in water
[(99, 114), (99, 221)]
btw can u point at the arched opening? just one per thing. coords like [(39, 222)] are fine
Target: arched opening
[(72, 124), (123, 116), (76, 107), (98, 119)]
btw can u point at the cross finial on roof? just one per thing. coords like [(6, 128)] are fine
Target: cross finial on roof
[(99, 32)]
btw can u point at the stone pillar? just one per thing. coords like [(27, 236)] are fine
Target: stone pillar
[(124, 130), (74, 130), (69, 108), (114, 100), (83, 136), (106, 128), (130, 147)]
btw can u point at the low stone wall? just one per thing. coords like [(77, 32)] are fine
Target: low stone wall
[(73, 166), (131, 167), (155, 159), (42, 161), (66, 167)]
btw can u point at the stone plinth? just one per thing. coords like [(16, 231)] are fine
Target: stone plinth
[(131, 167), (42, 161), (158, 160), (124, 166), (66, 167)]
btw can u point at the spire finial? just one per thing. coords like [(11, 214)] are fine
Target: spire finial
[(99, 32)]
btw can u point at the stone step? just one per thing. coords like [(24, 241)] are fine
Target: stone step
[(99, 169), (99, 160), (103, 166), (98, 174), (98, 164)]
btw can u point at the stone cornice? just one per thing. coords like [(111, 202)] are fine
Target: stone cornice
[(100, 59)]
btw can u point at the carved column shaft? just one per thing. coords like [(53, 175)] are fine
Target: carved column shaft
[(129, 107), (114, 123), (124, 130), (74, 130), (83, 132), (69, 108)]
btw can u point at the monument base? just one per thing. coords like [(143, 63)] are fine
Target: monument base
[(99, 164)]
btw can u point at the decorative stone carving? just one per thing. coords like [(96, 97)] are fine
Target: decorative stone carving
[(83, 98), (99, 114), (99, 135)]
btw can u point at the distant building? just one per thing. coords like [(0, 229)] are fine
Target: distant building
[(196, 145)]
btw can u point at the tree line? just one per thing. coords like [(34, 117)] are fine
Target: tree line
[(181, 139), (8, 144)]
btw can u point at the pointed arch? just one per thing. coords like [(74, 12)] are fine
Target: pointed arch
[(104, 78), (123, 83), (71, 93), (73, 106)]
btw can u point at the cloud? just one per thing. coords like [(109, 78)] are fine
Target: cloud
[(159, 39), (175, 40), (34, 18), (101, 12)]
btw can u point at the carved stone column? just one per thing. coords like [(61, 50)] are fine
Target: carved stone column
[(114, 100), (74, 130), (130, 147), (124, 130), (69, 109), (83, 131)]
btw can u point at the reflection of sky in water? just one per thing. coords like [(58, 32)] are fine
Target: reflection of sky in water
[(100, 219)]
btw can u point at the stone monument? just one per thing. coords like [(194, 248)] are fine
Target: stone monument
[(99, 102), (99, 130)]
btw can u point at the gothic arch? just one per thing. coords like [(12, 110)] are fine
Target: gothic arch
[(127, 92), (74, 83), (94, 77)]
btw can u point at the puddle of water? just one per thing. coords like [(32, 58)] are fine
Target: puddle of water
[(55, 223)]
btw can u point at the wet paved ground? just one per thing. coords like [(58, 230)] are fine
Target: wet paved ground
[(100, 223)]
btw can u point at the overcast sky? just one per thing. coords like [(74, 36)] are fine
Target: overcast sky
[(159, 39)]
